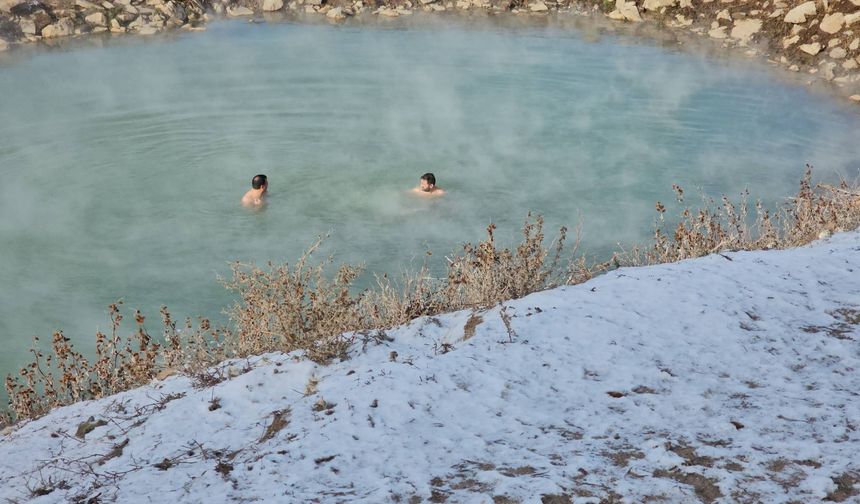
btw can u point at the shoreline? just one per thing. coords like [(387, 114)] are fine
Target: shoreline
[(815, 45)]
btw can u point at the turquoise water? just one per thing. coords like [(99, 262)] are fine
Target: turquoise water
[(122, 166)]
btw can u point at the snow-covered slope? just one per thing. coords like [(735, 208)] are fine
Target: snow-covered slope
[(731, 378)]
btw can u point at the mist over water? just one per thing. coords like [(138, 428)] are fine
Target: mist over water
[(121, 168)]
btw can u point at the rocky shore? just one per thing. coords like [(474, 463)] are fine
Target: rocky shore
[(820, 38)]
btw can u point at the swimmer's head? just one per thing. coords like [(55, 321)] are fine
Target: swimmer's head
[(427, 182), (260, 182)]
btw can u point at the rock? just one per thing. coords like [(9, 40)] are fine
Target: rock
[(25, 7), (849, 64), (776, 13), (724, 14), (832, 23), (813, 48), (718, 33), (616, 15), (686, 4), (116, 27), (854, 98), (85, 5), (651, 5), (336, 14), (682, 21), (272, 5), (790, 41), (854, 45), (838, 53), (176, 13), (538, 6), (799, 13), (850, 19), (427, 2), (96, 19), (28, 26), (827, 70), (835, 41), (62, 28), (744, 29), (148, 30), (386, 12), (628, 10), (125, 17), (239, 11), (4, 46)]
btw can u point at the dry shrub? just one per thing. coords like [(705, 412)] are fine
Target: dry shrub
[(485, 274), (814, 212), (61, 375), (284, 308)]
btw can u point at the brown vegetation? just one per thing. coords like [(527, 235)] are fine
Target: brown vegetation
[(299, 308)]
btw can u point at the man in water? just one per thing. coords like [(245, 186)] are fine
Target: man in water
[(427, 186), (254, 196)]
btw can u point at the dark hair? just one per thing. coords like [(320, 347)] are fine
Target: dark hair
[(258, 181), (429, 177)]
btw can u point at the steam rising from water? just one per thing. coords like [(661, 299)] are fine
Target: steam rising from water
[(122, 167)]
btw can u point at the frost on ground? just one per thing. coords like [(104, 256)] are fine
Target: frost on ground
[(731, 378)]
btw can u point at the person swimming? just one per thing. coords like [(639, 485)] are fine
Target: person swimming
[(254, 196), (427, 186)]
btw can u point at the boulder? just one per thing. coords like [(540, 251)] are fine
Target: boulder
[(854, 98), (85, 5), (96, 19), (62, 28), (718, 32), (239, 11), (651, 5), (790, 41), (538, 6), (744, 29), (852, 18), (28, 27), (838, 53), (854, 45), (26, 7), (148, 30), (628, 10), (125, 17), (174, 12), (116, 27), (813, 48), (3, 45), (272, 5), (798, 14), (336, 14), (832, 23), (849, 64)]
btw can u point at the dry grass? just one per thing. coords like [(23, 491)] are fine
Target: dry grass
[(300, 308)]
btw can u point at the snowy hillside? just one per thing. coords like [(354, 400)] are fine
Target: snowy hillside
[(732, 378)]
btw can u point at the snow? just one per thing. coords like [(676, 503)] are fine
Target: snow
[(722, 379)]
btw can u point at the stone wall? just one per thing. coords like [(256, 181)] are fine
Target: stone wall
[(820, 38)]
